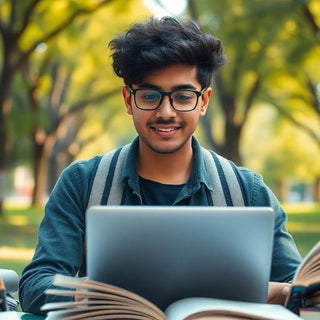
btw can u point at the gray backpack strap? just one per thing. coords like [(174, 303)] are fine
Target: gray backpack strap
[(107, 187), (114, 188), (227, 189)]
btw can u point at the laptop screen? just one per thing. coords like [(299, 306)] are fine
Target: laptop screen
[(168, 253)]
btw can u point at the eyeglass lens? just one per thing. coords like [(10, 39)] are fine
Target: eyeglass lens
[(183, 100)]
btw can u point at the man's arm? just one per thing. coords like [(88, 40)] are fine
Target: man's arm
[(60, 245)]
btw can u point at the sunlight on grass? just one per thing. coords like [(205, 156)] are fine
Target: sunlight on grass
[(19, 220), (16, 206), (10, 253), (299, 208), (303, 227)]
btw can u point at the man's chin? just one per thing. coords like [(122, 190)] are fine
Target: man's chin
[(165, 149)]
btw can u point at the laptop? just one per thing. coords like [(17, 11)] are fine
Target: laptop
[(168, 253)]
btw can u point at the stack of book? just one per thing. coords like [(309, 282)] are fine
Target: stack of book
[(304, 298)]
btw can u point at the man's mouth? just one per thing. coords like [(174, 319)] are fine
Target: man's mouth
[(166, 129)]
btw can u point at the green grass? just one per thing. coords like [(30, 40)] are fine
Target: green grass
[(18, 236), (18, 232), (304, 224)]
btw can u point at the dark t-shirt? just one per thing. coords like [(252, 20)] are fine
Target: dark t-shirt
[(155, 193)]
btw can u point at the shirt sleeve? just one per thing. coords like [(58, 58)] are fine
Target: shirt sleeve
[(285, 258), (60, 248)]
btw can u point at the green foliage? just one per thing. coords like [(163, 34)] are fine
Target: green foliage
[(64, 71), (267, 41), (304, 224), (18, 236), (273, 147), (276, 44)]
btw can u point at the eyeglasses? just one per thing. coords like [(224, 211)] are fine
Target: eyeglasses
[(180, 100)]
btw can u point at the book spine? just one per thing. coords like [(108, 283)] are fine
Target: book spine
[(296, 299)]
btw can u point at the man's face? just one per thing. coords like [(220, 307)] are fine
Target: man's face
[(165, 130)]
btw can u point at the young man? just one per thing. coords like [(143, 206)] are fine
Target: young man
[(167, 68)]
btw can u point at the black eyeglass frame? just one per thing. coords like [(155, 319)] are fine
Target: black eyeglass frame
[(168, 94)]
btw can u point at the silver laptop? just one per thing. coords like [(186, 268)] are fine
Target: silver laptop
[(168, 253)]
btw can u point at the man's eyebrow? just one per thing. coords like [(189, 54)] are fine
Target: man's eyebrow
[(177, 87), (148, 86), (184, 87)]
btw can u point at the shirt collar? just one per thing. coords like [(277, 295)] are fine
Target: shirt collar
[(199, 174)]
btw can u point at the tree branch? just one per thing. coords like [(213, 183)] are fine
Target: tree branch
[(310, 18), (25, 20), (251, 96), (297, 123), (315, 97), (80, 105), (58, 29)]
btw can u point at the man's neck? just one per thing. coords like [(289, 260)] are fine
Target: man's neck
[(167, 168)]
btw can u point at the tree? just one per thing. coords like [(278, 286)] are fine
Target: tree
[(296, 100), (294, 89), (16, 23), (285, 156), (237, 86), (45, 132), (65, 80), (259, 51)]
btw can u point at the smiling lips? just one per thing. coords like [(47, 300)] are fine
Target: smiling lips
[(166, 129)]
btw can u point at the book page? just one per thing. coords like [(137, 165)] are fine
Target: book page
[(93, 314), (309, 273), (184, 308), (93, 307), (97, 299), (312, 257), (9, 315), (208, 316), (306, 280)]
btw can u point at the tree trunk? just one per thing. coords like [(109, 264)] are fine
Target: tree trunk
[(6, 144), (38, 172), (281, 190), (41, 156), (231, 148)]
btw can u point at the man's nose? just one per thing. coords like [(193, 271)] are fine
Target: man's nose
[(165, 109)]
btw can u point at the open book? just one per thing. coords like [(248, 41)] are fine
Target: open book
[(102, 301), (9, 315), (305, 290)]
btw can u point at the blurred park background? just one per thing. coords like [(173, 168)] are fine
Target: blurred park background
[(60, 100)]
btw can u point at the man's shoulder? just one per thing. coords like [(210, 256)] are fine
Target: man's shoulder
[(245, 175), (85, 164), (242, 170), (91, 165)]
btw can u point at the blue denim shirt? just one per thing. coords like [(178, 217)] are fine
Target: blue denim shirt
[(61, 235)]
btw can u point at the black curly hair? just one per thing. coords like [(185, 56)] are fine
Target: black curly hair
[(158, 43)]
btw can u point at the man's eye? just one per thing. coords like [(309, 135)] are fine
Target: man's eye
[(183, 96), (150, 96)]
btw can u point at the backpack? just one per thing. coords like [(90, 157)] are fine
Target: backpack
[(107, 186)]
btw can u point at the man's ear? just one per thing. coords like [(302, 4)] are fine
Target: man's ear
[(205, 101), (127, 99)]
